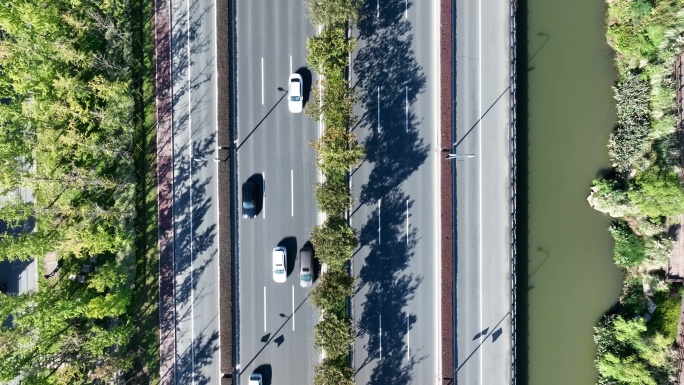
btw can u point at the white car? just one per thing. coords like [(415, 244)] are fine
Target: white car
[(279, 264), (295, 101)]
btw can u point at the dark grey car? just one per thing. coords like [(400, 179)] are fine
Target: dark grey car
[(305, 267), (248, 205)]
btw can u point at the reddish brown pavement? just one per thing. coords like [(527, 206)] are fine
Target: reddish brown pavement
[(446, 188), (162, 38)]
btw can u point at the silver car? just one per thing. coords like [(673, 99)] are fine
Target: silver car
[(279, 264), (305, 267), (295, 101)]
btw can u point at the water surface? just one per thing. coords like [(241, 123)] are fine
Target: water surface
[(571, 277)]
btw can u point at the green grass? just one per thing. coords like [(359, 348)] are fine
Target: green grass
[(145, 342)]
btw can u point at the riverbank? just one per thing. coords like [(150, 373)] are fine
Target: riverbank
[(642, 193)]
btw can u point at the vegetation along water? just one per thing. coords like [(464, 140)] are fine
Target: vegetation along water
[(642, 193)]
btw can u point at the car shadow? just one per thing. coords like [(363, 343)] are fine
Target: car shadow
[(266, 372), (307, 82)]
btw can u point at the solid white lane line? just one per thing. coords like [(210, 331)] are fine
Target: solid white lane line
[(378, 108), (218, 208), (408, 338), (479, 158), (262, 81), (264, 308), (407, 221), (190, 149), (293, 312), (437, 269), (380, 336), (406, 109), (406, 12), (292, 192), (263, 193), (379, 221)]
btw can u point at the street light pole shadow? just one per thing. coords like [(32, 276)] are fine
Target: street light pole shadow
[(273, 337), (265, 116), (494, 336)]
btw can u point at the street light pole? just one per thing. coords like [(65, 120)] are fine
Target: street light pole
[(459, 156), (217, 160)]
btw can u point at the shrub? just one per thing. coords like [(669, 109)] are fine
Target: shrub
[(665, 318), (658, 193), (628, 140), (629, 249), (633, 299), (611, 197)]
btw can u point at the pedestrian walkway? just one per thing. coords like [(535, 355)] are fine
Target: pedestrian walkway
[(675, 266), (162, 38)]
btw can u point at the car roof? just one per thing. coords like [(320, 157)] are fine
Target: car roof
[(247, 189), (296, 91), (278, 253)]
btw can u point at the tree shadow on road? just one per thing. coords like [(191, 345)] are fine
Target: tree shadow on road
[(189, 363), (388, 79)]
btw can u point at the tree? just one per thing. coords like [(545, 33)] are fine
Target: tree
[(628, 355), (337, 151), (330, 295), (628, 370), (333, 372), (110, 305), (334, 335), (333, 195), (334, 242), (334, 12), (329, 51), (337, 100)]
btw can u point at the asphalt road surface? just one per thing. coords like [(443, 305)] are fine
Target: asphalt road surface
[(396, 190), (195, 205), (276, 320), (482, 187)]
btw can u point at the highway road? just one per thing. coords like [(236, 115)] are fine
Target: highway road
[(275, 319), (195, 204), (396, 191), (482, 188)]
